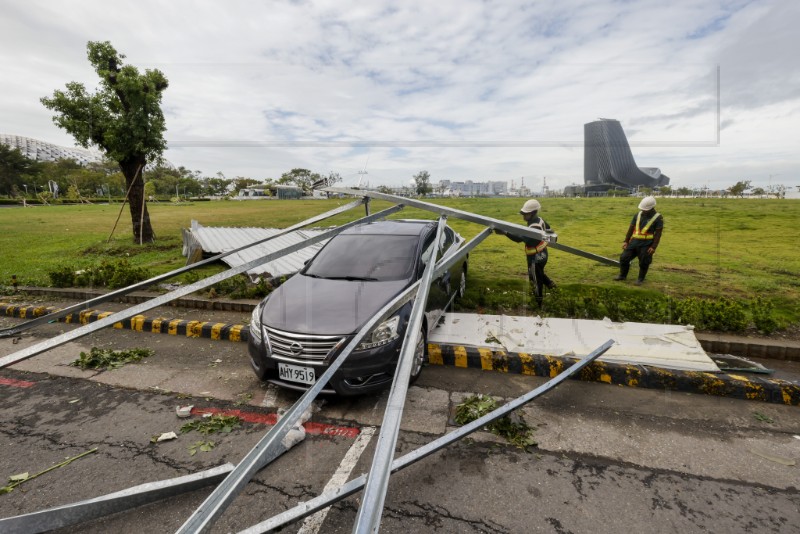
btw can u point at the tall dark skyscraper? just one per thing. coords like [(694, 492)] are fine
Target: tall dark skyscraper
[(608, 161)]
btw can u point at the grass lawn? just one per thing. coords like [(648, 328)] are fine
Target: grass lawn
[(711, 248)]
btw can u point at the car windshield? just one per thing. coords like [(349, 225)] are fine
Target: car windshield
[(366, 257)]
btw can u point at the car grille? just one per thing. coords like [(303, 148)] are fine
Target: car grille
[(301, 348)]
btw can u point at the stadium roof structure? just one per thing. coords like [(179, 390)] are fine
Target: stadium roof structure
[(608, 161), (44, 151)]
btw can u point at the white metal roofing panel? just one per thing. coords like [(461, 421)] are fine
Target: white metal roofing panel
[(214, 240), (660, 345)]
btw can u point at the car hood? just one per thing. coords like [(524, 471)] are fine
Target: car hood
[(326, 307)]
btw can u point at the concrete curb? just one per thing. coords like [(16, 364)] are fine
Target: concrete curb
[(139, 323), (735, 386)]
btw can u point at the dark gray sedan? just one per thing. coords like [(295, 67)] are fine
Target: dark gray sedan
[(302, 326)]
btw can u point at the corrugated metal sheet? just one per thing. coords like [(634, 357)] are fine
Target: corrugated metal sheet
[(215, 240)]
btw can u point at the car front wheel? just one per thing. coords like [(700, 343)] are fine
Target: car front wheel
[(420, 355), (462, 284)]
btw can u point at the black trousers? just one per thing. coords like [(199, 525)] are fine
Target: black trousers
[(538, 279), (631, 252)]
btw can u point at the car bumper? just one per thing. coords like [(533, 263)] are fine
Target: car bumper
[(364, 371)]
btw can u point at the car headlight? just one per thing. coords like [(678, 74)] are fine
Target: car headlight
[(255, 322), (384, 333)]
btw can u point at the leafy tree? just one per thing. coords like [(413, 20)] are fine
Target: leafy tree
[(422, 180), (124, 119), (300, 177), (739, 188), (215, 186), (759, 191), (684, 191), (13, 167), (243, 183)]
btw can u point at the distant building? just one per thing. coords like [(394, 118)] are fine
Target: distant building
[(255, 192), (43, 151), (469, 188), (608, 161), (289, 192)]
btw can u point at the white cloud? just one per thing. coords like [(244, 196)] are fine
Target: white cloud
[(464, 90)]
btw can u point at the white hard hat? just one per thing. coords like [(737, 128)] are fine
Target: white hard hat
[(530, 206), (647, 203)]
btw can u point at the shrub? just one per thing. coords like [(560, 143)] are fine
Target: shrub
[(761, 311)]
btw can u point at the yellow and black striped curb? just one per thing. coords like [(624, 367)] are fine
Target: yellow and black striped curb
[(721, 384), (139, 323)]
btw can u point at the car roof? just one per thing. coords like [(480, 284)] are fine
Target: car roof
[(392, 227)]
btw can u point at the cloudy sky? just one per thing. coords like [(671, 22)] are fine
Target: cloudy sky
[(466, 90)]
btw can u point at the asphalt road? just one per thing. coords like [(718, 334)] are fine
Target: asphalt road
[(609, 458)]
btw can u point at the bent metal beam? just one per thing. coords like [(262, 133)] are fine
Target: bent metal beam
[(507, 227), (326, 499)]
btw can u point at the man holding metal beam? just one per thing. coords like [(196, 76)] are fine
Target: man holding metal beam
[(535, 249)]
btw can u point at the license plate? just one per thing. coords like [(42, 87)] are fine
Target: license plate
[(295, 373)]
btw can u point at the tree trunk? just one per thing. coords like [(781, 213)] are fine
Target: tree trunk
[(140, 218)]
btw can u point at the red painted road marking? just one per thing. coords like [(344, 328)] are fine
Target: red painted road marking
[(271, 419), (16, 383)]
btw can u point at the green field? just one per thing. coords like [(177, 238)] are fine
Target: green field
[(712, 248)]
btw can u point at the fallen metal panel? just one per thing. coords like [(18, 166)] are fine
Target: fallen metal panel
[(660, 345), (7, 332), (323, 501), (269, 447), (371, 508), (507, 227), (217, 239), (79, 512), (23, 354)]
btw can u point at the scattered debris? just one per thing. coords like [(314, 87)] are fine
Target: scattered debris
[(729, 362), (184, 411), (202, 446), (103, 359), (73, 401), (516, 431), (166, 436), (211, 425), (777, 459), (16, 480), (297, 433), (761, 417), (243, 398), (491, 338)]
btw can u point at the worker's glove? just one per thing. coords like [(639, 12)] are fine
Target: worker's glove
[(651, 250)]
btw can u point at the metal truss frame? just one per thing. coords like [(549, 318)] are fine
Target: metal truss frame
[(271, 444)]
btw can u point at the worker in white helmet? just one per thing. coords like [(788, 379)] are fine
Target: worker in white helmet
[(644, 234), (535, 249)]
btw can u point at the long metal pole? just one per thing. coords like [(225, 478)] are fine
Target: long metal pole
[(270, 447), (371, 509), (507, 227), (79, 512), (14, 330), (326, 499), (23, 354)]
